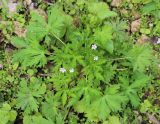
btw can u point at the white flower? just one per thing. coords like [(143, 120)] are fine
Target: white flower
[(151, 24), (159, 65), (158, 41), (94, 46), (95, 58), (71, 70), (62, 70)]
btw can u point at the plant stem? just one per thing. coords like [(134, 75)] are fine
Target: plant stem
[(121, 69), (66, 115), (122, 58), (57, 38)]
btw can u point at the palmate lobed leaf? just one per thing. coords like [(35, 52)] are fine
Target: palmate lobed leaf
[(30, 56), (35, 120), (111, 101), (50, 109), (101, 10), (102, 107), (131, 89), (88, 95), (68, 56), (37, 27), (26, 97), (58, 21), (31, 53), (140, 57), (104, 38), (19, 42), (56, 25)]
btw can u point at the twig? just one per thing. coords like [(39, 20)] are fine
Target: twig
[(45, 75)]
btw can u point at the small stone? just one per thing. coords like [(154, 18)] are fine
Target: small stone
[(1, 66), (135, 25), (143, 39), (31, 7), (116, 3), (153, 119), (28, 2), (158, 41), (12, 7)]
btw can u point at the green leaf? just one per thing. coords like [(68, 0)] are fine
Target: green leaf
[(104, 38), (145, 106), (19, 42), (87, 93), (115, 101), (50, 109), (114, 120), (35, 120), (140, 57), (27, 95), (111, 101), (6, 114), (57, 21), (101, 10), (37, 27), (109, 72), (69, 55), (64, 98), (133, 97), (140, 80), (136, 1), (99, 109), (31, 56), (149, 7), (141, 1)]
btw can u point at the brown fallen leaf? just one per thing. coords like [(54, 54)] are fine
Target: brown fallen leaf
[(116, 3), (135, 25), (19, 30), (143, 39)]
